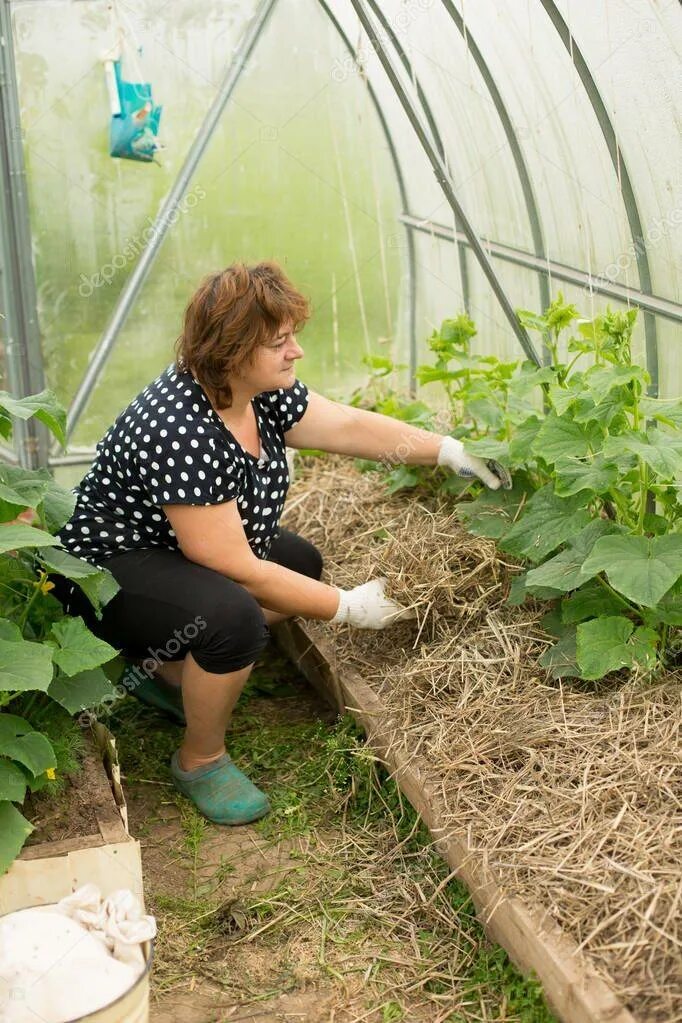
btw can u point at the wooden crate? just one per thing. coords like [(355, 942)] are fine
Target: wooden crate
[(109, 858)]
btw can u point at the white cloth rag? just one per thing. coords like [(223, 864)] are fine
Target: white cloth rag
[(64, 961)]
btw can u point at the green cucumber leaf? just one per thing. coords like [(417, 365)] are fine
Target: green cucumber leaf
[(13, 537), (33, 750), (488, 447), (44, 406), (518, 591), (575, 474), (532, 321), (665, 410), (83, 691), (14, 830), (521, 445), (590, 601), (644, 644), (560, 437), (546, 522), (600, 380), (562, 396), (485, 411), (23, 487), (493, 510), (668, 611), (10, 631), (78, 649), (602, 645), (13, 782), (604, 414), (641, 568), (661, 451), (12, 725), (434, 374), (98, 584), (58, 506), (564, 572), (401, 477), (24, 665), (560, 659), (528, 377)]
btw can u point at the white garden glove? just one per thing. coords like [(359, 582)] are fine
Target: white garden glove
[(452, 455), (368, 607)]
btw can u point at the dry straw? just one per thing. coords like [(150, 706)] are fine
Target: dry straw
[(573, 793)]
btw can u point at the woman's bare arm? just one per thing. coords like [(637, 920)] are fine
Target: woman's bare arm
[(346, 430)]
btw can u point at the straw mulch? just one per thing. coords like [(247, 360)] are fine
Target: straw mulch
[(573, 792)]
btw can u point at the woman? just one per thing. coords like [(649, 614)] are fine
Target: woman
[(182, 505)]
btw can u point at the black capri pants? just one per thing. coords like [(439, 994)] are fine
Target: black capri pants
[(168, 605)]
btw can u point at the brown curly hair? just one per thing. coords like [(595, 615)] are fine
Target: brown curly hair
[(228, 316)]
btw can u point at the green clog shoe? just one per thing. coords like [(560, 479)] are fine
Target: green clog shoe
[(220, 791), (154, 692)]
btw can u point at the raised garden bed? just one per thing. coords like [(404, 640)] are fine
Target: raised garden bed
[(555, 802), (80, 837)]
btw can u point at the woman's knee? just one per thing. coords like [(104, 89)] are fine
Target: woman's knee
[(311, 561), (233, 634), (296, 553)]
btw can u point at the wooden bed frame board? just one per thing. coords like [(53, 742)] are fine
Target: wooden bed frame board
[(529, 934), (109, 858)]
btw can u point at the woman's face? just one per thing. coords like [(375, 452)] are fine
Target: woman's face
[(273, 364)]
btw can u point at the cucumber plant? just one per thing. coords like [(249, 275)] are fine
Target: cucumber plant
[(595, 508), (46, 657)]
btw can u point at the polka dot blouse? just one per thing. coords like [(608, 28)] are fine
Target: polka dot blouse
[(169, 446)]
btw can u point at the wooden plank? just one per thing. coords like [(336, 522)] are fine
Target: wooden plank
[(109, 857), (44, 850), (32, 881), (531, 937)]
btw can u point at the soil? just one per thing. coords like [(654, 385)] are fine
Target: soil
[(73, 812)]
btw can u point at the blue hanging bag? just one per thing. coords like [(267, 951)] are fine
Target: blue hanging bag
[(135, 127)]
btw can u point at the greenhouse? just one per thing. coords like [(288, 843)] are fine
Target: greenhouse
[(341, 546)]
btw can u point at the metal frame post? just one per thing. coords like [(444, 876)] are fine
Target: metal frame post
[(164, 217), (443, 178), (625, 184), (17, 275)]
